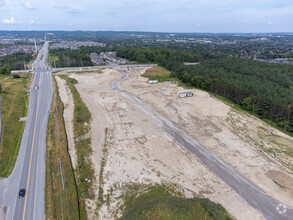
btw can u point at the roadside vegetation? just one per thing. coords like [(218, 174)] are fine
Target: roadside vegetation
[(14, 100), (5, 70), (74, 58), (81, 123), (16, 61), (52, 59), (166, 202), (103, 164), (59, 203)]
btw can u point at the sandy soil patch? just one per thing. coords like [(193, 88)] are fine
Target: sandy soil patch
[(68, 102), (236, 136), (140, 152)]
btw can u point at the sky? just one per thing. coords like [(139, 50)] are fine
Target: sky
[(225, 16)]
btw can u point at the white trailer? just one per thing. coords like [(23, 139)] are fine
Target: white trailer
[(185, 94), (153, 81)]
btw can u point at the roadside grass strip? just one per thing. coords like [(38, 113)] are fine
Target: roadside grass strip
[(81, 123), (14, 104), (60, 203)]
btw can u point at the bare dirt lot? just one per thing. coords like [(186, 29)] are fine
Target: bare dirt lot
[(138, 151)]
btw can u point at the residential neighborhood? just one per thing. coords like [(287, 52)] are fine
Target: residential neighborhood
[(74, 45), (111, 56), (96, 59), (18, 49)]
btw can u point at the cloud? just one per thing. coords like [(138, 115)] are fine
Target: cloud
[(2, 2), (69, 10), (72, 11), (60, 7), (28, 6), (34, 22), (9, 21)]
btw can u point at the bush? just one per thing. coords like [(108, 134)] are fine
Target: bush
[(16, 76), (5, 70)]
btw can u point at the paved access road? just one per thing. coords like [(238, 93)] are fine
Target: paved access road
[(266, 205), (29, 171), (30, 168)]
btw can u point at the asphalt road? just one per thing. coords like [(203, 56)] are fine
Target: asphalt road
[(29, 171), (112, 65), (267, 206)]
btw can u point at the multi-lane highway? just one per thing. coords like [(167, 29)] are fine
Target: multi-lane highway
[(29, 171)]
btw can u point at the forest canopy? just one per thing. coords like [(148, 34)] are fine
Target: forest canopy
[(15, 61), (265, 89)]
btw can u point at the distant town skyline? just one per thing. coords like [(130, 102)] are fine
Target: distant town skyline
[(226, 16)]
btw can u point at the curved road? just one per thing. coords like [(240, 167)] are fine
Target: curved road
[(29, 171), (266, 205)]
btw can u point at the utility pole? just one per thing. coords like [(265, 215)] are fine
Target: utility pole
[(81, 63), (24, 65), (36, 49), (54, 64)]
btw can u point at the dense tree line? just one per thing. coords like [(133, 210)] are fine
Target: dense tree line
[(162, 56), (75, 58), (262, 88), (70, 58), (15, 61), (97, 50), (5, 70)]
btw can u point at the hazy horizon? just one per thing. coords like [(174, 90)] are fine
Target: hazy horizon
[(166, 32), (170, 16)]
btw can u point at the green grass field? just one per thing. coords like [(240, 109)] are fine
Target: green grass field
[(164, 202), (13, 106), (281, 141), (159, 73), (55, 198), (81, 123)]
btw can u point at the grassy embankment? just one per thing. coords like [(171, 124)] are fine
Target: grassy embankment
[(56, 198), (161, 74), (13, 106), (165, 202), (81, 123), (158, 73)]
